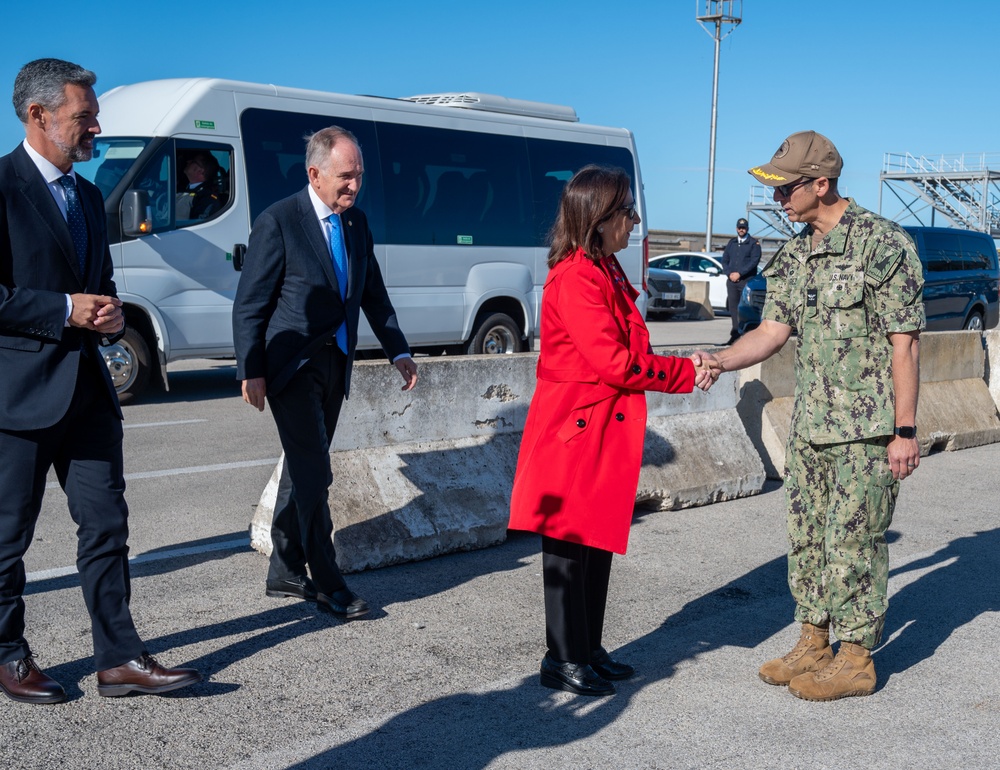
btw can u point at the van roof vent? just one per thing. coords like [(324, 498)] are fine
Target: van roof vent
[(490, 103)]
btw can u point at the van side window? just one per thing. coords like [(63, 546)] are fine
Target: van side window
[(452, 187), (274, 147), (977, 253), (204, 182), (173, 200), (941, 252), (553, 163)]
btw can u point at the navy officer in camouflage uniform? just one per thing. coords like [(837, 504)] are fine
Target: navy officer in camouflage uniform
[(851, 285)]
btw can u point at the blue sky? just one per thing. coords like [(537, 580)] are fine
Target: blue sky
[(915, 76)]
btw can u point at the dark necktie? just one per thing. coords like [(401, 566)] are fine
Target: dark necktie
[(340, 269), (76, 222)]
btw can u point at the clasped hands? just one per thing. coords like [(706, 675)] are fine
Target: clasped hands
[(97, 312), (707, 369)]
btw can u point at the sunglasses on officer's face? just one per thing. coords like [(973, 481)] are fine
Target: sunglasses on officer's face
[(784, 190)]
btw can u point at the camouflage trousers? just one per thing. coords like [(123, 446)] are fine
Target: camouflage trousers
[(840, 503)]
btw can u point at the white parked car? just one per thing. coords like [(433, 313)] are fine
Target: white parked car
[(697, 266)]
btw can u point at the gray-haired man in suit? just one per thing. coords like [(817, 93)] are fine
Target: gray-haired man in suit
[(310, 270)]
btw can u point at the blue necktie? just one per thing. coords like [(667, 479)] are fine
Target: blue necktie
[(340, 269), (76, 222)]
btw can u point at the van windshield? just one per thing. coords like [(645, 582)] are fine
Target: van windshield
[(112, 159)]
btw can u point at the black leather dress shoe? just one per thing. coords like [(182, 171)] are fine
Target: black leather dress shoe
[(343, 603), (298, 587), (22, 680), (602, 663), (143, 675), (577, 678)]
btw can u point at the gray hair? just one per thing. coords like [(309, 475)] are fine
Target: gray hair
[(44, 82), (319, 145)]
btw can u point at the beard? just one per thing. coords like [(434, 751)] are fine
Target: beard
[(75, 153)]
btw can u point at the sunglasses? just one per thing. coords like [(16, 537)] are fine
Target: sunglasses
[(629, 211), (784, 190)]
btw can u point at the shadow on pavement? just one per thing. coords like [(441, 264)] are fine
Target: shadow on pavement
[(473, 729), (216, 380), (963, 583)]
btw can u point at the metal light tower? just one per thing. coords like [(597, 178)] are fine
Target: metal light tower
[(718, 14)]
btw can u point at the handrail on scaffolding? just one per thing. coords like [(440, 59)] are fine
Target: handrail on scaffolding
[(947, 163)]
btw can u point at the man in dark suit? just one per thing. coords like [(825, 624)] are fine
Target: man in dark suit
[(739, 262), (309, 271), (57, 403)]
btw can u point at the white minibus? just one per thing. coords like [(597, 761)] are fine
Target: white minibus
[(460, 191)]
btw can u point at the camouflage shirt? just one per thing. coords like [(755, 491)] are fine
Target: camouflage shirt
[(863, 282)]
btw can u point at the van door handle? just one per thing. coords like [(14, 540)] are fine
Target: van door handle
[(239, 252)]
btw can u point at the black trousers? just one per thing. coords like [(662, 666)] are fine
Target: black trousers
[(85, 447), (576, 592), (306, 413), (733, 293)]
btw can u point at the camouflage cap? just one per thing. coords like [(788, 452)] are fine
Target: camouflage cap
[(803, 154)]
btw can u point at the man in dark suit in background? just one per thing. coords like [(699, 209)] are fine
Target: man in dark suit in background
[(309, 271), (739, 262), (57, 403)]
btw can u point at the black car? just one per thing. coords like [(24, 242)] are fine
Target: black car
[(961, 281), (666, 292)]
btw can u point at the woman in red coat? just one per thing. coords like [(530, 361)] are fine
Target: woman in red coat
[(581, 451)]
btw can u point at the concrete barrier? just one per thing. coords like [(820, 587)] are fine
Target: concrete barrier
[(955, 410), (992, 364), (427, 472), (699, 307)]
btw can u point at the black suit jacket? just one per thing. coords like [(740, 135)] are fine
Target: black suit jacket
[(39, 355), (288, 301)]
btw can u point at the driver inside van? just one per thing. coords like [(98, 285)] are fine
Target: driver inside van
[(199, 199)]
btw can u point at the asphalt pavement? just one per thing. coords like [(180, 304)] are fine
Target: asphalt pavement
[(444, 673)]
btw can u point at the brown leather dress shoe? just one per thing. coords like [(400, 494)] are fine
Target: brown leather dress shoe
[(343, 603), (143, 675), (22, 680)]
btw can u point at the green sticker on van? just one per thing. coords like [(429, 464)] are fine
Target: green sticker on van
[(464, 240), (208, 124)]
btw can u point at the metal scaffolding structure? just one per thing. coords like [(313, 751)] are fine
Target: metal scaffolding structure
[(963, 188), (761, 207)]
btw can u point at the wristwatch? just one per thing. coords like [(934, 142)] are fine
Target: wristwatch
[(906, 431)]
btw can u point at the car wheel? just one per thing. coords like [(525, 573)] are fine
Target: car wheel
[(974, 322), (128, 362), (496, 334)]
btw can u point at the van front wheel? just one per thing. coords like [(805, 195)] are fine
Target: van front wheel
[(128, 363), (974, 322), (495, 334)]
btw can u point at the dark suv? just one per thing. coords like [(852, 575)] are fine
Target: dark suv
[(961, 281)]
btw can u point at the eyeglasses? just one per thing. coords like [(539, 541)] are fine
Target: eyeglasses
[(629, 211), (784, 190)]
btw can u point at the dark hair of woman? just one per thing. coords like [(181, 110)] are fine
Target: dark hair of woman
[(589, 199)]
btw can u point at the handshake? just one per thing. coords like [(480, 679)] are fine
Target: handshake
[(707, 369)]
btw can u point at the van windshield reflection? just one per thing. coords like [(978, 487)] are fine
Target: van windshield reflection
[(111, 160)]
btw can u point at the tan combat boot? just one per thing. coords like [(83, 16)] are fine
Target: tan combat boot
[(810, 654), (851, 673)]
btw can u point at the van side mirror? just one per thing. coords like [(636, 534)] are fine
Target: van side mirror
[(137, 215)]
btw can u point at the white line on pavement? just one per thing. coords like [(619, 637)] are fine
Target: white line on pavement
[(190, 470), (160, 424), (145, 558)]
